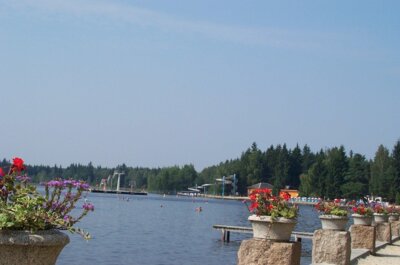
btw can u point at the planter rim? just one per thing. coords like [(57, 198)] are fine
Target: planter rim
[(380, 214), (361, 216), (51, 237), (267, 218), (331, 216)]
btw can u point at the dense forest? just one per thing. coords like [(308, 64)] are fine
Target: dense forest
[(330, 173)]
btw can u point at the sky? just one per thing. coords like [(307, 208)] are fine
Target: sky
[(164, 83)]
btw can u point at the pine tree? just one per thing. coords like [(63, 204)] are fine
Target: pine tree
[(336, 165), (356, 179), (381, 171), (395, 191)]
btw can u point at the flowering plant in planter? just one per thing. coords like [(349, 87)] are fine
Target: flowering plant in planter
[(361, 209), (22, 207), (392, 210), (379, 209), (263, 203), (330, 208)]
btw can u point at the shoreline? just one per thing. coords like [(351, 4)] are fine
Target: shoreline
[(242, 198)]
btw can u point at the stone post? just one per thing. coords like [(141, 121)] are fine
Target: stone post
[(331, 246), (395, 226), (383, 232), (363, 236), (268, 252)]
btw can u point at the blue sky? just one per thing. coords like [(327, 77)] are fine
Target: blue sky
[(162, 83)]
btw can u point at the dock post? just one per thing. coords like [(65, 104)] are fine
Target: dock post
[(226, 234), (223, 235), (297, 239)]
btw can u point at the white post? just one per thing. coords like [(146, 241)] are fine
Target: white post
[(119, 175)]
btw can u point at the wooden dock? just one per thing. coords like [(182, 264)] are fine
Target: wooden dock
[(226, 229), (119, 192)]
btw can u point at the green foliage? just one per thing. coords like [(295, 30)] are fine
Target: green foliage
[(25, 212), (306, 186), (327, 173), (381, 172), (330, 208), (396, 170), (339, 212), (336, 166), (288, 212), (356, 178)]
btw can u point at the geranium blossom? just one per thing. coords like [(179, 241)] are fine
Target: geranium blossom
[(378, 208), (362, 210), (18, 164), (263, 202)]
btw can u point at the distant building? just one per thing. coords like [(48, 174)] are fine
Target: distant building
[(261, 185), (264, 185), (292, 193)]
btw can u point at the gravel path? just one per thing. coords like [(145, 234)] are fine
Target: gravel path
[(389, 255)]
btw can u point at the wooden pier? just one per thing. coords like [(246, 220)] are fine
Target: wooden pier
[(226, 229), (123, 192)]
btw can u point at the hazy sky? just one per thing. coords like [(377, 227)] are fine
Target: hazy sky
[(162, 83)]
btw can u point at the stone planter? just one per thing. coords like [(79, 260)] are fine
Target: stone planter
[(362, 219), (24, 247), (380, 218), (333, 222), (393, 217), (278, 229)]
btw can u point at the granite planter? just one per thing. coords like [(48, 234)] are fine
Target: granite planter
[(26, 248), (393, 217), (333, 222), (380, 218), (278, 229), (362, 219)]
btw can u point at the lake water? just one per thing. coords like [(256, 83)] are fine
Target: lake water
[(157, 230)]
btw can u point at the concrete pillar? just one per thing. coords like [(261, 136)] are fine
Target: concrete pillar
[(363, 236), (383, 232), (395, 226), (332, 247), (267, 252)]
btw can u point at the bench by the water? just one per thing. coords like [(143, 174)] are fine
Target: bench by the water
[(226, 229)]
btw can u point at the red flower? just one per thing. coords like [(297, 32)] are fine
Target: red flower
[(18, 164), (253, 206), (1, 172), (252, 197)]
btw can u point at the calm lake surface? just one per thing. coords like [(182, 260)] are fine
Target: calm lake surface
[(157, 230)]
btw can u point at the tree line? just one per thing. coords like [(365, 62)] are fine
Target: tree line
[(330, 173)]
